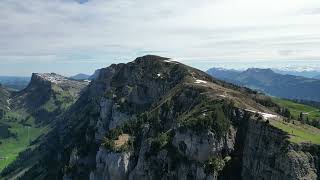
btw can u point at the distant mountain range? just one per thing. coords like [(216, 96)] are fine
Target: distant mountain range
[(304, 73), (272, 83)]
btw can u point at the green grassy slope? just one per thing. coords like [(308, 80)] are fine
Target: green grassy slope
[(23, 136), (296, 109), (299, 133), (31, 113), (28, 126)]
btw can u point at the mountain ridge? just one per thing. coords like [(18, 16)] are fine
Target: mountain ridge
[(157, 118)]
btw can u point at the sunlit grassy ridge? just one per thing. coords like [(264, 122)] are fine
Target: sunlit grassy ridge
[(299, 133), (296, 108)]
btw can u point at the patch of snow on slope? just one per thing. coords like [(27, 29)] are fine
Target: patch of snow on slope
[(264, 115), (8, 102), (170, 61), (198, 81), (52, 77)]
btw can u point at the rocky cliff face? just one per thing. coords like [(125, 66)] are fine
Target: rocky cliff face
[(4, 97), (43, 86), (266, 155), (47, 95), (155, 118)]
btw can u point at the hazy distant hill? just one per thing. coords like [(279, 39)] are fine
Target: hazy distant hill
[(80, 77), (14, 83), (275, 84), (304, 73), (317, 77)]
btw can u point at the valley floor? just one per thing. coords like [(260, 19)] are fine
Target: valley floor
[(21, 137)]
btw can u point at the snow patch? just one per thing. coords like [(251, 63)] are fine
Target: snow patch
[(264, 115), (8, 102), (198, 81), (170, 61), (53, 78), (158, 74)]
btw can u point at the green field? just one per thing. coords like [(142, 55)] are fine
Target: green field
[(11, 147), (296, 108), (299, 132)]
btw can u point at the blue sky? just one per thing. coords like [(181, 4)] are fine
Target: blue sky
[(73, 36)]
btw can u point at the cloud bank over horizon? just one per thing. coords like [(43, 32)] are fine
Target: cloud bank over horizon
[(70, 36)]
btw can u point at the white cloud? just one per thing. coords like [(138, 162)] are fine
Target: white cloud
[(49, 31)]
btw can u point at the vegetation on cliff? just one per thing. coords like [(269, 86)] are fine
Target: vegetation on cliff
[(158, 116)]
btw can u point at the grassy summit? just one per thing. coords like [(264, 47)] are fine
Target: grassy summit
[(164, 115)]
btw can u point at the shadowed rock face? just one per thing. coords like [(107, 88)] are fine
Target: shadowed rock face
[(4, 96), (182, 124), (267, 156)]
